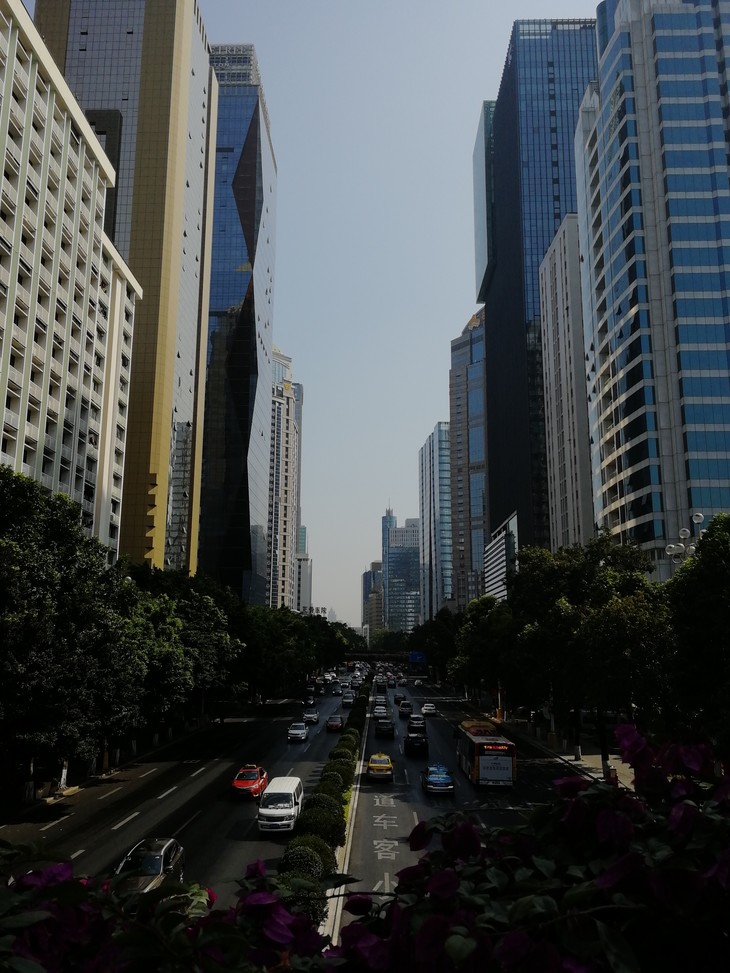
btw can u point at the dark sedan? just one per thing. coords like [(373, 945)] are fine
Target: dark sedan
[(385, 728), (334, 724), (437, 779), (150, 863)]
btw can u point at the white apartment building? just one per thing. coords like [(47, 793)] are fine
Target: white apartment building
[(67, 299)]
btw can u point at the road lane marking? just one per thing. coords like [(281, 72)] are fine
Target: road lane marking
[(125, 821), (386, 882), (189, 821), (198, 771), (148, 772), (52, 824), (77, 853), (108, 794), (405, 774), (377, 885), (160, 796), (415, 818)]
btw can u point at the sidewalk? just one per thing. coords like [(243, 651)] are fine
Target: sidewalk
[(590, 755)]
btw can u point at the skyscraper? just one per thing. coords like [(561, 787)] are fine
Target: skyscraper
[(67, 298), (372, 599), (467, 461), (303, 601), (235, 506), (434, 494), (140, 71), (401, 567), (566, 407), (654, 208), (548, 65), (283, 486)]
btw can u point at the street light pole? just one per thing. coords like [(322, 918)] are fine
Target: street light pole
[(687, 544)]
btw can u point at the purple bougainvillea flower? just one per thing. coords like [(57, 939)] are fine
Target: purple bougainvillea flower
[(277, 928), (261, 898), (358, 940), (514, 948), (358, 904), (420, 837), (413, 874), (682, 819), (52, 875), (256, 869), (570, 786), (614, 827), (625, 866), (462, 842), (443, 885)]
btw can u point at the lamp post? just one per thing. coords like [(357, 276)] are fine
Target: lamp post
[(687, 544)]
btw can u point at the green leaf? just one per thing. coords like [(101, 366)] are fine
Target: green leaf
[(545, 865), (619, 953), (24, 920), (22, 965), (459, 948), (523, 874)]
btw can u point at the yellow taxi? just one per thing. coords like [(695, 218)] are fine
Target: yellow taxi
[(380, 767)]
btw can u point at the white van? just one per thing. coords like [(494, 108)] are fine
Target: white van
[(281, 804)]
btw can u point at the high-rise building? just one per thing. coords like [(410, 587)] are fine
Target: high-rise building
[(283, 487), (235, 507), (566, 406), (654, 207), (548, 65), (372, 599), (434, 494), (67, 298), (468, 461), (303, 573), (483, 169), (140, 70), (401, 568), (388, 521)]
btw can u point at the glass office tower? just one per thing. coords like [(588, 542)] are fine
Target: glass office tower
[(434, 496), (549, 63), (235, 496), (140, 71), (652, 150)]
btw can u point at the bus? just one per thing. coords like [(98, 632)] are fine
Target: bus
[(484, 756)]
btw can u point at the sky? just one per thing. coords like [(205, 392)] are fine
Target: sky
[(374, 107)]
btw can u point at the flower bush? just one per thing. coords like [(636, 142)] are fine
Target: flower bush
[(598, 881)]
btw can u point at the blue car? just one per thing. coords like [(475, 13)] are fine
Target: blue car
[(437, 779)]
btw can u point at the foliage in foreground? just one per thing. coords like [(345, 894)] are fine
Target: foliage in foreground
[(599, 880)]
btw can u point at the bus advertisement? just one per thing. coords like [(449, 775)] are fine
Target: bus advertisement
[(484, 756)]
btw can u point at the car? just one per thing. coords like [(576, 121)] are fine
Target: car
[(437, 779), (311, 715), (250, 781), (391, 683), (405, 709), (380, 767), (380, 713), (149, 864), (398, 698), (322, 691), (337, 690), (415, 744), (348, 699), (380, 700), (309, 700), (418, 682), (334, 723), (428, 709), (385, 728), (416, 721), (298, 731), (402, 681)]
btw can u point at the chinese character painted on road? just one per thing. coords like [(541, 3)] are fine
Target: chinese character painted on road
[(383, 800), (385, 849), (385, 821)]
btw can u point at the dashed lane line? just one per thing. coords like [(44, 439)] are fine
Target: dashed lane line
[(165, 793), (108, 794), (125, 821), (148, 772)]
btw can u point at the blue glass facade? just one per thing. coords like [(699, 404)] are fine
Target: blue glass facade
[(236, 453), (434, 492), (655, 215), (549, 63), (401, 574)]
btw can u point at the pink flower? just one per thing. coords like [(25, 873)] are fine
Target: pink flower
[(625, 866), (614, 828), (256, 869), (444, 884), (682, 819), (571, 786)]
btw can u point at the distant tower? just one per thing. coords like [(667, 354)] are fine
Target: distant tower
[(468, 461), (434, 493), (372, 598), (283, 487), (401, 559), (140, 71), (235, 508), (303, 574)]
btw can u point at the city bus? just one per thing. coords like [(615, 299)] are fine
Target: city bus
[(484, 756)]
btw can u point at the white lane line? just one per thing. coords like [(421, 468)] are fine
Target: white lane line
[(405, 774), (147, 773), (415, 818), (189, 821), (77, 853), (52, 824), (125, 821), (386, 882), (377, 886), (198, 771), (108, 794), (160, 796)]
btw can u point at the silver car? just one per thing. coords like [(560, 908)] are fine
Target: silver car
[(298, 732)]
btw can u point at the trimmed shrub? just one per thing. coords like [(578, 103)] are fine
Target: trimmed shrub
[(332, 788), (325, 801), (320, 847), (346, 770), (342, 753), (302, 895), (304, 861), (332, 777), (324, 824), (351, 732)]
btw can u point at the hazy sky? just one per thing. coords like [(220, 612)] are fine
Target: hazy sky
[(374, 106)]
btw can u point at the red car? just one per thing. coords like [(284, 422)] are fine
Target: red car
[(335, 723), (251, 781)]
